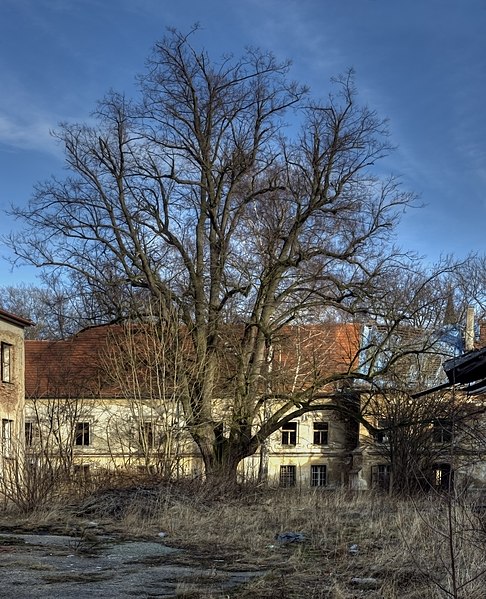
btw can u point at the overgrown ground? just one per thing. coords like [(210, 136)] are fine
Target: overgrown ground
[(366, 545)]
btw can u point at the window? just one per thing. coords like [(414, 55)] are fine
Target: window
[(32, 433), (381, 476), (29, 434), (81, 471), (288, 476), (442, 477), (82, 434), (289, 433), (7, 427), (442, 431), (382, 436), (6, 358), (318, 475), (146, 435), (321, 433)]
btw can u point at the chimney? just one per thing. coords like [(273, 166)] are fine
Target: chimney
[(469, 336)]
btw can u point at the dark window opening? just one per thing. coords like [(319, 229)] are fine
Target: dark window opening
[(289, 433), (381, 476), (288, 476), (82, 472), (82, 436), (146, 435), (442, 477), (383, 435), (29, 434), (321, 433), (318, 475)]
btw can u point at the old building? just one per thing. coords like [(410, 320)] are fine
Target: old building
[(11, 389), (79, 406), (100, 400)]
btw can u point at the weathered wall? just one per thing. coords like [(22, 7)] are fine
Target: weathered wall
[(12, 392)]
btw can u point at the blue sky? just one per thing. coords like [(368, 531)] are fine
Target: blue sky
[(421, 63)]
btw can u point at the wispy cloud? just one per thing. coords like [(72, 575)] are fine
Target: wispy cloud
[(291, 33), (32, 134)]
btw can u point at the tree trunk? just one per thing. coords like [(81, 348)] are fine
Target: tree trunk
[(221, 458)]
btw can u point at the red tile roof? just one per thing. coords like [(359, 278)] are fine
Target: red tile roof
[(310, 354), (69, 368), (77, 366)]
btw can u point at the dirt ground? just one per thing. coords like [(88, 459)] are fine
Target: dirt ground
[(53, 566)]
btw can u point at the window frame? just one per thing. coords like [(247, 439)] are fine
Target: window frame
[(6, 362), (320, 435), (289, 434), (29, 432), (443, 477), (7, 437), (318, 475), (382, 436), (288, 476), (381, 476), (82, 434), (82, 472), (442, 431)]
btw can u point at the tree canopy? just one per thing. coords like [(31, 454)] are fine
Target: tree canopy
[(233, 199)]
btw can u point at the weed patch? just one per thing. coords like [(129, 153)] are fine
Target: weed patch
[(350, 545)]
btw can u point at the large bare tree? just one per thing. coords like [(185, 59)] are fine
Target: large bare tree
[(240, 204)]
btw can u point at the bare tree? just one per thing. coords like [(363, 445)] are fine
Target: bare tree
[(141, 361), (62, 305), (424, 425), (47, 307), (201, 195), (412, 436), (469, 284)]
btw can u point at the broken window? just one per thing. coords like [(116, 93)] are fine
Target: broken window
[(442, 430), (318, 475), (288, 476), (82, 434), (6, 355), (321, 433), (289, 433)]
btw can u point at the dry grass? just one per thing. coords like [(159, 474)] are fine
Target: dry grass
[(406, 547)]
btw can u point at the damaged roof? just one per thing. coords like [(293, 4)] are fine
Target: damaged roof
[(468, 369)]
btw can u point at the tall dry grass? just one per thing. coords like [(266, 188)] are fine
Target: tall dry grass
[(396, 548)]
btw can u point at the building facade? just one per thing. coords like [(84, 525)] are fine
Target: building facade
[(97, 412), (12, 390)]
